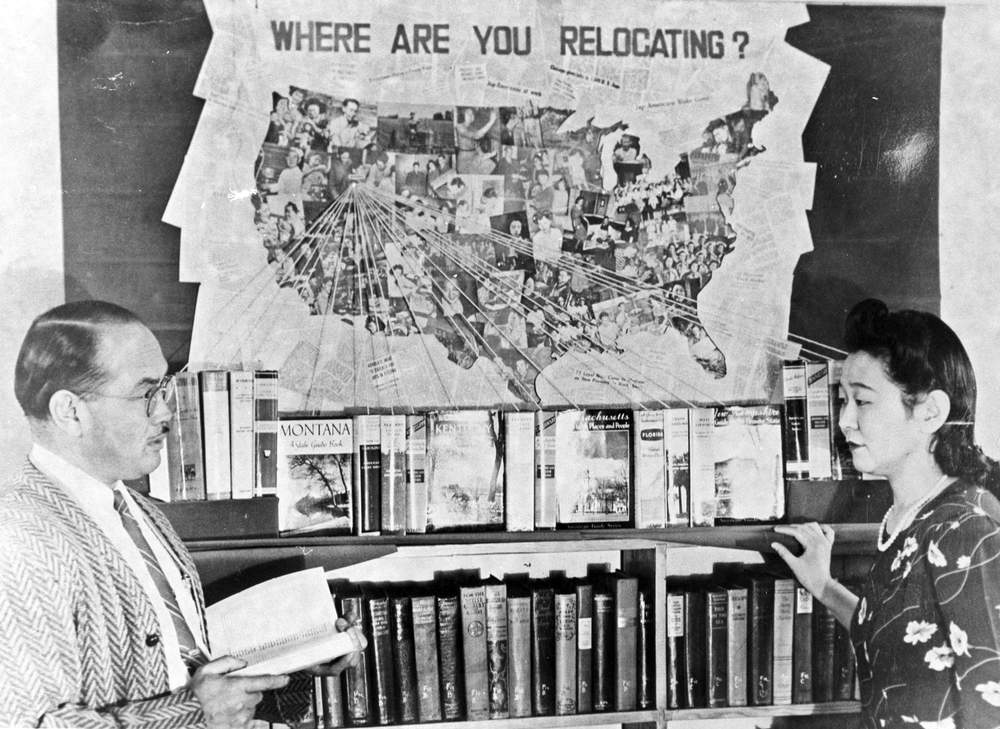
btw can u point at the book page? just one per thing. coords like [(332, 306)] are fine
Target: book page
[(279, 626)]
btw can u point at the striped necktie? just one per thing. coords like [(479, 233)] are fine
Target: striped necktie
[(185, 638)]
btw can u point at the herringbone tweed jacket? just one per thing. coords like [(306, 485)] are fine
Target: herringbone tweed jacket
[(79, 644)]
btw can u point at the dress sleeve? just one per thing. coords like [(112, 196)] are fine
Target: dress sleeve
[(964, 559)]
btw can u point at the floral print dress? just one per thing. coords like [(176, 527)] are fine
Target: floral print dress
[(926, 631)]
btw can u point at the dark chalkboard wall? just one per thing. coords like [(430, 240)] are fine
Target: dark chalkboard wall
[(127, 68)]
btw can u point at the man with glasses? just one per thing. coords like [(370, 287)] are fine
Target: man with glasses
[(101, 608)]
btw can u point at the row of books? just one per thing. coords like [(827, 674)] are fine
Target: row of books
[(499, 649), (759, 643), (485, 469)]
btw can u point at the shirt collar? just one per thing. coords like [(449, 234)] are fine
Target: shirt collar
[(78, 483)]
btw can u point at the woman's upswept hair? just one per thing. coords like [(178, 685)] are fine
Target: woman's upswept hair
[(920, 354)]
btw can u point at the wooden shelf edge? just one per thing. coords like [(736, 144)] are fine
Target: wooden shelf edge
[(556, 722), (851, 538), (739, 712)]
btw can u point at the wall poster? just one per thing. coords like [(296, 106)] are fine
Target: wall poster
[(514, 204)]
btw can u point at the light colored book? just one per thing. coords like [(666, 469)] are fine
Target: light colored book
[(416, 474), (783, 637), (818, 409), (279, 626), (241, 445), (702, 492), (215, 433), (545, 470), (519, 470), (314, 465), (650, 469)]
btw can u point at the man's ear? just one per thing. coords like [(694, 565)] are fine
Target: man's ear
[(65, 412), (933, 410)]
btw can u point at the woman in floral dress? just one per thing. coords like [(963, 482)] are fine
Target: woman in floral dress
[(926, 627)]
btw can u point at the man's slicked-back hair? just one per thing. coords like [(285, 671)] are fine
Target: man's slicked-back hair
[(59, 352)]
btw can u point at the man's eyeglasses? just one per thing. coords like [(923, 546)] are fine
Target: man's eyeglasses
[(164, 391)]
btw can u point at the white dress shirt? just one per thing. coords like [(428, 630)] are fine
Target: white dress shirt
[(97, 501)]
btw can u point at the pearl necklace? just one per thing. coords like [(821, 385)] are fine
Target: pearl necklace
[(909, 515)]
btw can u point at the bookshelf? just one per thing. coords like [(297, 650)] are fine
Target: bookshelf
[(652, 554)]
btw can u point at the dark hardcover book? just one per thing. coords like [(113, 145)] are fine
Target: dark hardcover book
[(796, 423), (519, 647), (716, 647), (357, 697), (802, 647), (368, 473), (844, 661), (760, 642), (497, 649), (425, 653), (392, 456), (695, 665), (383, 676), (604, 648), (584, 647), (404, 658), (824, 651), (449, 624), (646, 650), (565, 620), (543, 650), (473, 603), (331, 702), (676, 678), (265, 432), (626, 591)]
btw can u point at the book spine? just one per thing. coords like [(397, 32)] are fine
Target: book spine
[(843, 665), (368, 473), (695, 666), (784, 615), (796, 432), (824, 652), (425, 653), (604, 650), (584, 648), (214, 387), (265, 432), (392, 455), (841, 462), (716, 646), (650, 469), (676, 678), (357, 709), (416, 474), (473, 602), (565, 630), (646, 649), (519, 658), (497, 650), (702, 492), (626, 638), (543, 656), (384, 679), (404, 658), (802, 653), (678, 456), (519, 453), (184, 441), (241, 447), (760, 642), (736, 654), (331, 702), (449, 618), (545, 470), (818, 408)]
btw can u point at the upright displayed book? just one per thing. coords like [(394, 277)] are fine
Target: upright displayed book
[(368, 474), (796, 434), (425, 650), (760, 640), (702, 492), (584, 646), (241, 445), (392, 457), (465, 471), (565, 646), (543, 656), (416, 474), (519, 470), (449, 623), (519, 651), (314, 475), (783, 640), (746, 450), (404, 658), (184, 455), (678, 457), (676, 677), (545, 470), (626, 593), (649, 452), (214, 388), (717, 643), (265, 432), (474, 652), (737, 641), (497, 648), (818, 409), (593, 467)]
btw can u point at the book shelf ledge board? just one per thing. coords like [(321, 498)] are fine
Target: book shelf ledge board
[(556, 722), (739, 712), (851, 539)]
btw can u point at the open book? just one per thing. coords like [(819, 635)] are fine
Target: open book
[(279, 626)]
